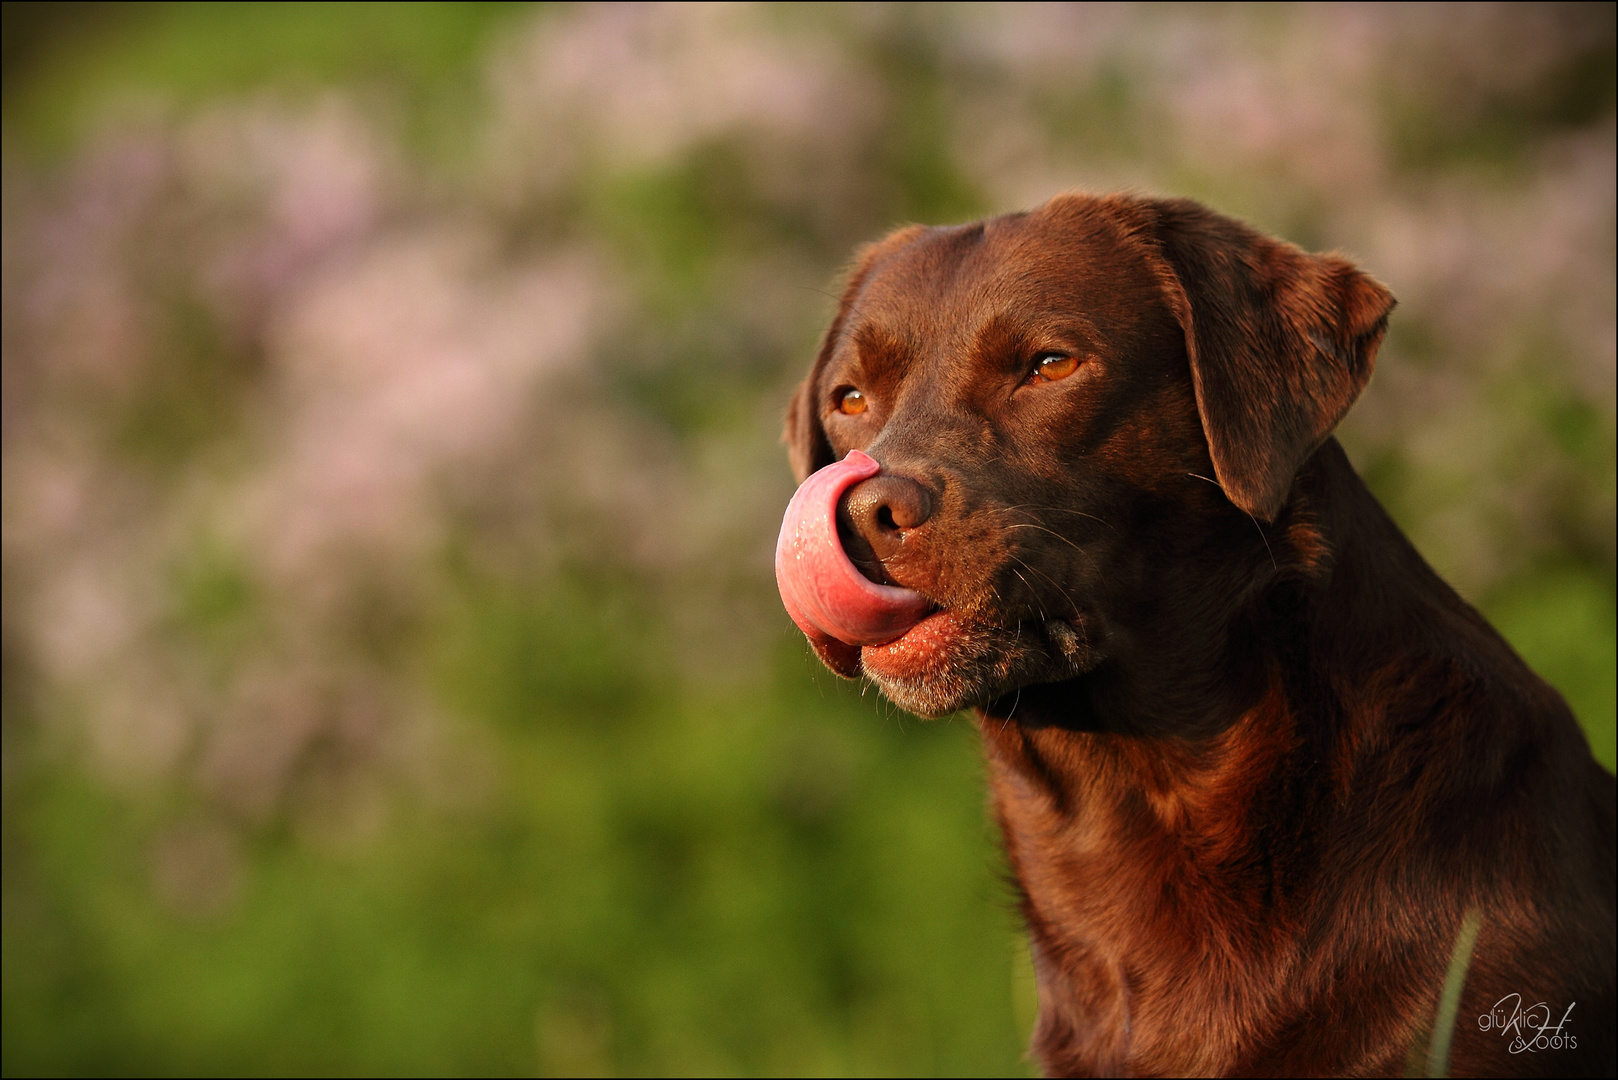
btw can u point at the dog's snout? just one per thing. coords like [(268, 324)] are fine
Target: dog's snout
[(873, 517)]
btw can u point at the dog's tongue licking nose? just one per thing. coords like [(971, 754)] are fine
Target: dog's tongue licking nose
[(826, 596)]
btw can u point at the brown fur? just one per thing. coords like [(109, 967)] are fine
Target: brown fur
[(1253, 760)]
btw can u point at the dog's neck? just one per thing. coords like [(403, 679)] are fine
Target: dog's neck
[(1116, 795)]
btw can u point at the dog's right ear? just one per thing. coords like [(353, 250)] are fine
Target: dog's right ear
[(807, 446)]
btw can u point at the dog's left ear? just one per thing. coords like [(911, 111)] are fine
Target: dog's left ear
[(1281, 342)]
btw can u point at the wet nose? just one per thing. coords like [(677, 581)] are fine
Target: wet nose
[(873, 517)]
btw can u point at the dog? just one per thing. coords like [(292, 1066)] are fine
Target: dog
[(1259, 771)]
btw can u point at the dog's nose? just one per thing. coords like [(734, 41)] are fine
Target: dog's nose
[(873, 517)]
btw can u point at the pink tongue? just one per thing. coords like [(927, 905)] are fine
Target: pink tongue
[(825, 595)]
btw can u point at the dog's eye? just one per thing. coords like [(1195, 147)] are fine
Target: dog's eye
[(852, 402), (1048, 367)]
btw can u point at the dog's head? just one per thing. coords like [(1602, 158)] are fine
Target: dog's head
[(1079, 415)]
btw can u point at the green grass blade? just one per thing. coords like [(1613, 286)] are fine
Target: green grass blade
[(1450, 1002)]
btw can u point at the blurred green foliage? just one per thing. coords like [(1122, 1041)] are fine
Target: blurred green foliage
[(66, 62), (628, 868), (769, 885), (1501, 124), (1561, 621)]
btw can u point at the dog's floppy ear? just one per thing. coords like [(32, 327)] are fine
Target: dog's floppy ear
[(1281, 342), (807, 447)]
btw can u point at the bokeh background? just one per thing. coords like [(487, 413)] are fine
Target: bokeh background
[(394, 679)]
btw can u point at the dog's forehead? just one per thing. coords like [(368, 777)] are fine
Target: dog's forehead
[(947, 281)]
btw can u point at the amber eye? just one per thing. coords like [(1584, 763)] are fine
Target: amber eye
[(1052, 366), (852, 403)]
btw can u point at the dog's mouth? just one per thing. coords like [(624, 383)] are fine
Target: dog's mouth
[(824, 592), (927, 658)]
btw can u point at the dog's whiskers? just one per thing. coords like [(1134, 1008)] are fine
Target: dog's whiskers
[(1032, 592), (1056, 584), (1029, 507), (1029, 525)]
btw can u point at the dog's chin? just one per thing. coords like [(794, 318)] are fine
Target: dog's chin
[(946, 663)]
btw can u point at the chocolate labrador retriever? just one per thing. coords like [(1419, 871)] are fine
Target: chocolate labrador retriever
[(1256, 765)]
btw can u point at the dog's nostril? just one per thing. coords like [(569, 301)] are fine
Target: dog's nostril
[(874, 515)]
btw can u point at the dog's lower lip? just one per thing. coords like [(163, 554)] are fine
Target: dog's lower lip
[(923, 647)]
